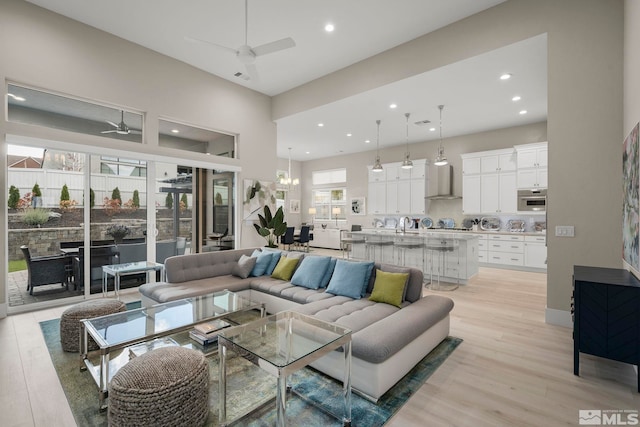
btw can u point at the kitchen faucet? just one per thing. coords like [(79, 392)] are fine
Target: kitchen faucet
[(404, 223)]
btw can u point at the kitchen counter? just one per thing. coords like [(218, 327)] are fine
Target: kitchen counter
[(454, 254)]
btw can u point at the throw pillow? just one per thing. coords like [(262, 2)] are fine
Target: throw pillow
[(285, 268), (311, 272), (328, 273), (397, 269), (263, 259), (244, 267), (349, 278), (389, 287), (275, 257)]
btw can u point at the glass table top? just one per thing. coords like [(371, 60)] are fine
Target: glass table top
[(121, 328), (284, 338), (132, 267)]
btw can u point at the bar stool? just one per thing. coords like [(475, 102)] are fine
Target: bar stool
[(409, 245), (371, 245), (441, 247), (347, 240)]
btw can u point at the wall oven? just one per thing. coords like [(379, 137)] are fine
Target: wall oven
[(532, 200)]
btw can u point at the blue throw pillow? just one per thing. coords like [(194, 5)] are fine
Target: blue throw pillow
[(349, 278), (262, 263), (328, 273), (311, 272), (275, 257)]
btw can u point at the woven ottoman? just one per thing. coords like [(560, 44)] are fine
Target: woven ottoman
[(70, 320), (168, 386)]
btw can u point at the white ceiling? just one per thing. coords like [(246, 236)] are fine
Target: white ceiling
[(474, 98)]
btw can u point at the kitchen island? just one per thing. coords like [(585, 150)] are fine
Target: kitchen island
[(453, 255)]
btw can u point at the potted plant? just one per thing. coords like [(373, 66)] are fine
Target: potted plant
[(118, 232), (271, 226)]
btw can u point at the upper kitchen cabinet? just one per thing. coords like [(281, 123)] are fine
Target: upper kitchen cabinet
[(489, 182), (532, 165), (397, 191)]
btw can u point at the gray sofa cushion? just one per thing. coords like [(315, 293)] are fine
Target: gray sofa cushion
[(164, 292), (185, 268)]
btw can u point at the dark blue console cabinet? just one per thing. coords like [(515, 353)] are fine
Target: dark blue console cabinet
[(606, 315)]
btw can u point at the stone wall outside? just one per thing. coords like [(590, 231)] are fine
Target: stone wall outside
[(46, 241)]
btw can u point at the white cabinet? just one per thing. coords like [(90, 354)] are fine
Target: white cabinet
[(489, 182), (532, 165), (535, 252), (377, 197), (471, 194), (505, 249), (326, 238), (397, 191)]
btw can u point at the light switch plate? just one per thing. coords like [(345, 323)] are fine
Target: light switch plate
[(565, 231)]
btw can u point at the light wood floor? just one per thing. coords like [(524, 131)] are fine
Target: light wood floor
[(511, 370)]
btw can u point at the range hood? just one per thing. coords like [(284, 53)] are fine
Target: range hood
[(441, 183)]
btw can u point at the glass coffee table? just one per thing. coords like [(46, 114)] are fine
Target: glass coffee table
[(282, 344), (117, 331)]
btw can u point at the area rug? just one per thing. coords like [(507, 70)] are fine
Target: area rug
[(250, 387)]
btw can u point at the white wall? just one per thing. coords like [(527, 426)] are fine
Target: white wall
[(584, 125), (45, 50)]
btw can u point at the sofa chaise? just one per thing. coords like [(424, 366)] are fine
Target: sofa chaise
[(390, 334)]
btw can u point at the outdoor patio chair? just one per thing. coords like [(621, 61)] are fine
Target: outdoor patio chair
[(46, 270), (100, 255)]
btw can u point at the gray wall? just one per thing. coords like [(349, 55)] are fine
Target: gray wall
[(584, 124)]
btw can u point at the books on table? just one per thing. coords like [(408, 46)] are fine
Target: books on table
[(207, 333)]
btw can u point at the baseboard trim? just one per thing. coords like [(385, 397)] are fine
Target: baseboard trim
[(558, 317)]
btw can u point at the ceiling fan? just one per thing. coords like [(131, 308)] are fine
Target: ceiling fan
[(120, 128), (247, 54)]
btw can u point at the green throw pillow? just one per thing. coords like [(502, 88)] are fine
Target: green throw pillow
[(285, 268), (389, 287)]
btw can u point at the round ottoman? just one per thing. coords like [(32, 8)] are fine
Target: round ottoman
[(168, 386), (70, 320)]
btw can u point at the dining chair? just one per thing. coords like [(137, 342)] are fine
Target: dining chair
[(303, 239), (287, 238)]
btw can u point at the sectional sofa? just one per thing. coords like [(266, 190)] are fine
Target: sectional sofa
[(393, 326)]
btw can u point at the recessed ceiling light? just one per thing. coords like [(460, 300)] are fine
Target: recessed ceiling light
[(366, 141), (307, 152), (522, 112), (17, 98), (432, 129), (516, 98), (393, 106), (320, 125), (348, 134), (505, 76), (329, 28), (175, 131)]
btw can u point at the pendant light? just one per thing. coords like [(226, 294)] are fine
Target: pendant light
[(377, 167), (288, 180), (441, 159), (407, 163)]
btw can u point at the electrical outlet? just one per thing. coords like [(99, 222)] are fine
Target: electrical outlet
[(565, 231)]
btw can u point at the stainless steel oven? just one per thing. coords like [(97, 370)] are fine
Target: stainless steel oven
[(532, 200)]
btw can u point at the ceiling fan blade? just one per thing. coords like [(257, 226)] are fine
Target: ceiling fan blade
[(109, 131), (275, 46), (135, 131), (253, 72), (218, 46), (111, 123)]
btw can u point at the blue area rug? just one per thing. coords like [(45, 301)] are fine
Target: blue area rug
[(252, 385)]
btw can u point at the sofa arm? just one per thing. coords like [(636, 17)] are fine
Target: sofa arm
[(400, 328)]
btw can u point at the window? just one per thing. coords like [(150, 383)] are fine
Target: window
[(330, 204), (335, 176), (122, 167), (198, 140), (281, 197)]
